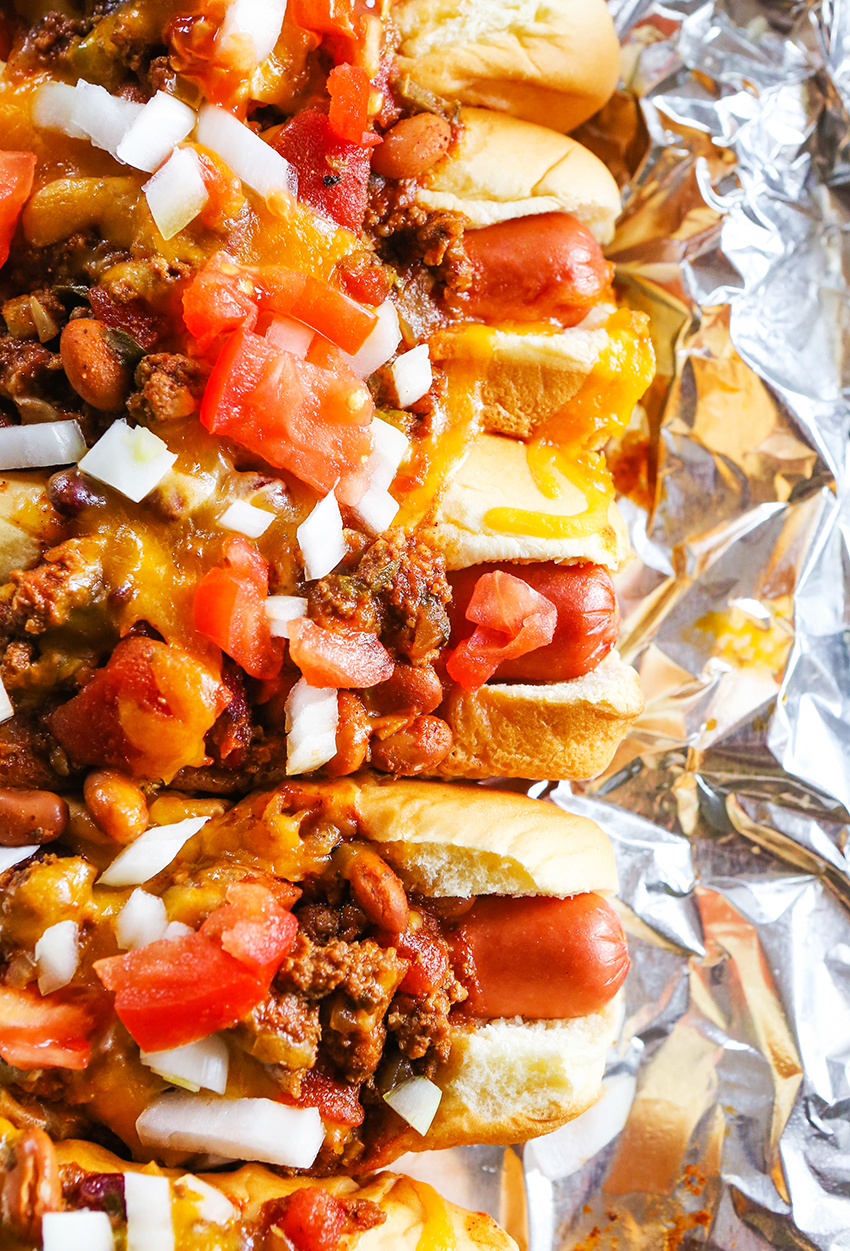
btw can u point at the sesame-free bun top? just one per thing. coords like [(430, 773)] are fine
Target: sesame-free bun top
[(554, 62), (500, 168), (446, 840), (495, 474)]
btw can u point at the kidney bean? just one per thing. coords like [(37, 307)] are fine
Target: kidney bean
[(417, 749), (30, 817), (412, 146), (70, 492), (90, 365), (412, 688), (374, 885)]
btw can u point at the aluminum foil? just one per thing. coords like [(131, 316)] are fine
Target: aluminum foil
[(725, 1118)]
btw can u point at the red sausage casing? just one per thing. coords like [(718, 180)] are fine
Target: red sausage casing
[(588, 618), (547, 267), (541, 958)]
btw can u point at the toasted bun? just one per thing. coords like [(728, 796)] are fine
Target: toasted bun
[(502, 168), (495, 474), (566, 730), (527, 376), (554, 63), (509, 1081), (464, 840), (407, 1205)]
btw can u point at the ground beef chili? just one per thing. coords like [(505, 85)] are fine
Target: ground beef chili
[(349, 1008)]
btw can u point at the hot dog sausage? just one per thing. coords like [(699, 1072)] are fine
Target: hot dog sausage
[(539, 268), (588, 618), (540, 957)]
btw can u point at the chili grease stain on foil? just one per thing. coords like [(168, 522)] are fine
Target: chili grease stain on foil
[(727, 1101)]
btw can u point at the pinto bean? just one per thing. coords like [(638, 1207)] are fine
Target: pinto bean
[(30, 817), (412, 146), (352, 737), (32, 1185), (91, 367), (412, 688), (374, 885), (417, 749), (116, 804)]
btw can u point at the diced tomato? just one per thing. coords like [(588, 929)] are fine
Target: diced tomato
[(333, 658), (364, 278), (539, 957), (178, 990), (145, 712), (17, 170), (588, 618), (427, 955), (296, 415), (252, 926), (38, 1033), (337, 1101), (319, 305), (224, 296), (326, 17), (333, 174), (219, 298), (349, 89), (145, 326), (229, 609), (511, 619), (312, 1220), (225, 197)]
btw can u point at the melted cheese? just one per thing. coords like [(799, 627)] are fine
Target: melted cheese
[(437, 1231)]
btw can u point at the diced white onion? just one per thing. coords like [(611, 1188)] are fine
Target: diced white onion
[(250, 158), (211, 1204), (244, 1129), (312, 717), (198, 1065), (10, 856), (83, 1230), (380, 345), (57, 954), (53, 108), (163, 123), (6, 708), (290, 335), (36, 447), (150, 853), (416, 1101), (133, 461), (147, 1199), (104, 118), (176, 193), (376, 509), (176, 929), (281, 610), (412, 375), (142, 920), (390, 447), (260, 20), (246, 519), (320, 538)]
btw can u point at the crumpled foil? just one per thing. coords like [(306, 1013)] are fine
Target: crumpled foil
[(725, 1117)]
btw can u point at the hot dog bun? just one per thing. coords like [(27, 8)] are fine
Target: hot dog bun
[(410, 1210), (527, 375), (501, 168), (554, 63), (495, 474)]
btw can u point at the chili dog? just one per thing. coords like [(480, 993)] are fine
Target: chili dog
[(379, 968), (44, 1186)]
